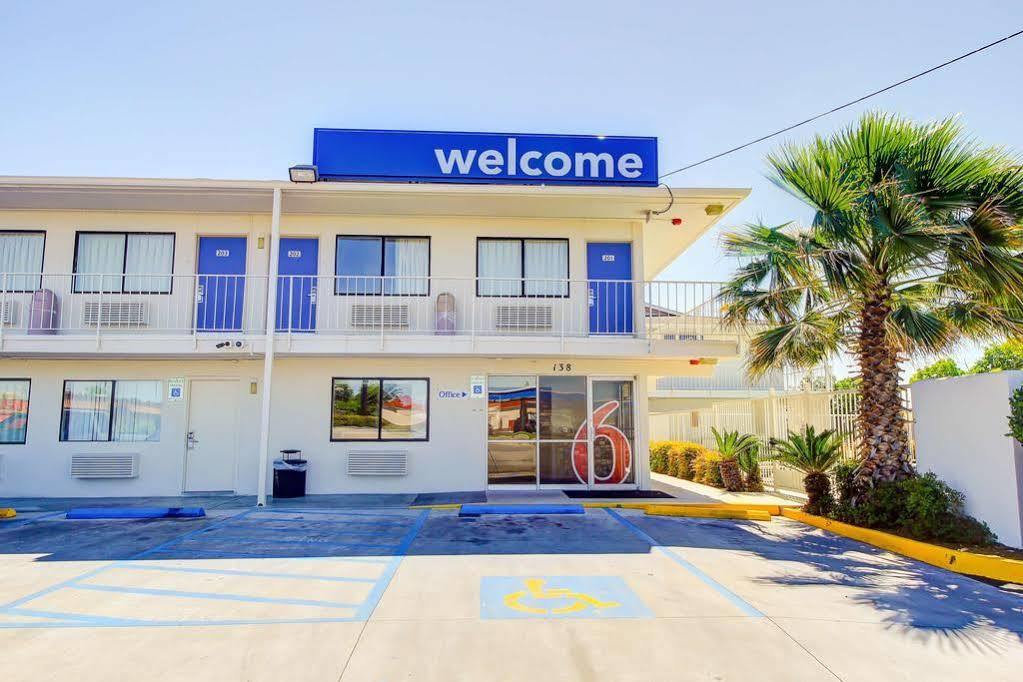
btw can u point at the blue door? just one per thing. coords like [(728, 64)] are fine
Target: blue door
[(609, 271), (220, 300), (296, 284)]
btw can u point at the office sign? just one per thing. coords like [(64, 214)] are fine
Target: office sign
[(496, 158)]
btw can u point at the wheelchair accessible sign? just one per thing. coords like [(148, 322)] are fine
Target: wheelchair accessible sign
[(508, 597)]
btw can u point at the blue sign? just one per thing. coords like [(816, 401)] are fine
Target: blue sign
[(495, 158)]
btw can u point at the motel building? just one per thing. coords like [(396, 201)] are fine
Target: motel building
[(415, 312)]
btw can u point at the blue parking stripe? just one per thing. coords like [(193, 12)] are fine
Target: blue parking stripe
[(254, 574), (215, 596), (117, 623), (373, 598), (383, 557), (334, 512), (324, 542), (735, 599), (60, 615)]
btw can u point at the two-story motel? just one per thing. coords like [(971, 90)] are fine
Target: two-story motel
[(408, 330)]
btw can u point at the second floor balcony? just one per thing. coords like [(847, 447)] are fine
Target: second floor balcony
[(218, 314)]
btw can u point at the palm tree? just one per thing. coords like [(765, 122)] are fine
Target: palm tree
[(732, 445), (749, 462), (914, 245), (814, 454)]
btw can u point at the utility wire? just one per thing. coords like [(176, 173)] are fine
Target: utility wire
[(846, 105)]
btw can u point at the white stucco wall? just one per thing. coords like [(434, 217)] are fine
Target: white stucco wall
[(960, 436)]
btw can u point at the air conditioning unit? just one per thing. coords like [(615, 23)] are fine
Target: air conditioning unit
[(105, 465), (377, 316), (523, 317), (8, 313), (114, 313), (377, 463)]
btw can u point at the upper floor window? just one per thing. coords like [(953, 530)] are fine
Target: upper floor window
[(14, 411), (522, 267), (392, 266), (123, 262), (21, 260), (111, 411)]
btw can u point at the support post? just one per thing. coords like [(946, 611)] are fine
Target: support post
[(268, 350)]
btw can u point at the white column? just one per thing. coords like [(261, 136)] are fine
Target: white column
[(268, 351)]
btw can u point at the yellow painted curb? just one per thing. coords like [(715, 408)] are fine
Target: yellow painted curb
[(772, 509), (969, 563), (7, 513), (708, 513)]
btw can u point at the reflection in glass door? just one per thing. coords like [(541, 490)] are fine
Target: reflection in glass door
[(539, 431)]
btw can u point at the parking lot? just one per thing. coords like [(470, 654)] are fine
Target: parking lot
[(389, 594)]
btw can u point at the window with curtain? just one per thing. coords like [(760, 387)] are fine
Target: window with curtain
[(14, 395), (522, 267), (393, 266), (380, 409), (99, 411), (123, 262), (21, 260)]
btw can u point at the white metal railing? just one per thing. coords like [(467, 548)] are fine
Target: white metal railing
[(70, 304), (730, 375), (170, 305)]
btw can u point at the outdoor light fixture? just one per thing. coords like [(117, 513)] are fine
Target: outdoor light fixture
[(303, 174), (714, 209)]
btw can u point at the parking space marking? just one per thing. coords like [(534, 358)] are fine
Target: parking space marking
[(563, 596), (389, 563), (735, 599)]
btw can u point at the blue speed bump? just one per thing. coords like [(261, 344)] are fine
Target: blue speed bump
[(136, 513), (560, 596)]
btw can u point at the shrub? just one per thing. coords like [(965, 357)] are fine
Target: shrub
[(681, 457), (921, 507), (707, 468), (845, 481), (659, 456), (1016, 415), (815, 454)]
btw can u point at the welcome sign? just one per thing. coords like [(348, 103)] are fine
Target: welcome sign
[(497, 158)]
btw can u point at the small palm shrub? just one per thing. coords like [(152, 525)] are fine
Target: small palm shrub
[(732, 445), (814, 454), (749, 462), (707, 468)]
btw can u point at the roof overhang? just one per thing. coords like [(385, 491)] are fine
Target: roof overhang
[(656, 207)]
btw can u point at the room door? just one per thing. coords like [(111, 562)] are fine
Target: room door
[(609, 275), (220, 299), (296, 284), (211, 444)]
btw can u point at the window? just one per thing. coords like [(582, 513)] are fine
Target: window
[(21, 260), (123, 262), (380, 409), (522, 267), (14, 411), (111, 411), (392, 266)]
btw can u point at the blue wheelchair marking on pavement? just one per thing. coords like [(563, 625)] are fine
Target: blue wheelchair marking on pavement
[(558, 596)]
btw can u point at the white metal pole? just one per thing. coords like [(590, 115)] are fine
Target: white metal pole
[(268, 351)]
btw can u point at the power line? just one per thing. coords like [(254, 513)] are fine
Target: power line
[(846, 105)]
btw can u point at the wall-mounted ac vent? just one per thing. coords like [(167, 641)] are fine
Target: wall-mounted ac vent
[(105, 466), (523, 317), (114, 313), (377, 316), (377, 463), (8, 313)]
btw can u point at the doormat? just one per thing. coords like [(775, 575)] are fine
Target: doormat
[(425, 499), (616, 494)]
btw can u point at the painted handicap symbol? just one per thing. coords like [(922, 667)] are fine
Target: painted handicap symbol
[(535, 590), (558, 597)]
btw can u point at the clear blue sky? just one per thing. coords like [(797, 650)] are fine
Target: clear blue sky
[(233, 89)]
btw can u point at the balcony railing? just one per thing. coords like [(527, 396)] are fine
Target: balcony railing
[(67, 304)]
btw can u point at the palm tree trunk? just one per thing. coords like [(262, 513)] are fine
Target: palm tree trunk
[(883, 439)]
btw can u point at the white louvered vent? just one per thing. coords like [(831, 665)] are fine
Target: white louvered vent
[(114, 313), (523, 317), (377, 463), (376, 316), (8, 313), (105, 466)]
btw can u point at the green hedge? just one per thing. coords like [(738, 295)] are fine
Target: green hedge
[(674, 458)]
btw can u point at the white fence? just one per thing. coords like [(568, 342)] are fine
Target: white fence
[(771, 417)]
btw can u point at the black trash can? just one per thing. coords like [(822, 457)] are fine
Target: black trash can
[(289, 474)]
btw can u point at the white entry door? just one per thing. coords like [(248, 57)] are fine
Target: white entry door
[(212, 439)]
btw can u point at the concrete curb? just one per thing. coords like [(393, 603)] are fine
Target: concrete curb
[(708, 512), (967, 563)]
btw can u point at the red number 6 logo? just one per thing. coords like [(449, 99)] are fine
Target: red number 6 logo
[(621, 451)]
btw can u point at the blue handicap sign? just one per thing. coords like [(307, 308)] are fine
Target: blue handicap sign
[(559, 596)]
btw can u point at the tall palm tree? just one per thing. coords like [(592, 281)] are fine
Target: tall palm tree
[(914, 245)]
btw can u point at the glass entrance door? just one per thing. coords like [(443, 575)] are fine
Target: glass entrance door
[(560, 431)]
